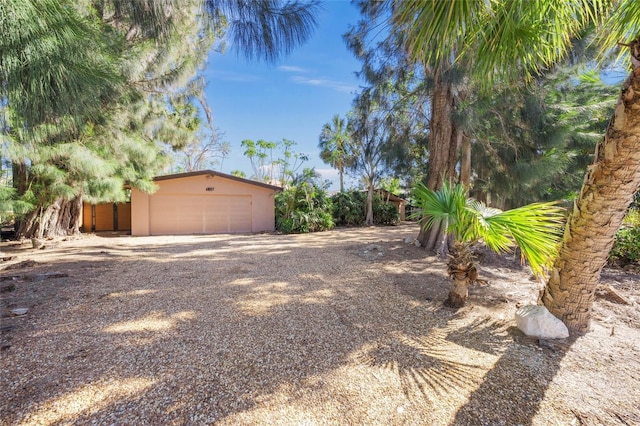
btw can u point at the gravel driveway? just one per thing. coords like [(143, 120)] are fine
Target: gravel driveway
[(341, 327)]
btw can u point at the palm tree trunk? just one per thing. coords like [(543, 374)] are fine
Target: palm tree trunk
[(443, 138), (607, 192), (459, 293), (460, 268), (443, 142)]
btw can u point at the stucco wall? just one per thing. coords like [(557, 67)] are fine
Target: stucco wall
[(139, 212), (263, 204)]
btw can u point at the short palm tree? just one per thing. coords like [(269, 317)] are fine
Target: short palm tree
[(501, 38), (535, 228)]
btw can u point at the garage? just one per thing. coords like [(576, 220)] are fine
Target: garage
[(203, 202), (188, 214)]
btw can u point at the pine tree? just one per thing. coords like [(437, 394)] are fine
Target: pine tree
[(110, 119)]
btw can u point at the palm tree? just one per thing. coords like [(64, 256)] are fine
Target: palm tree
[(505, 38), (334, 145), (534, 228), (440, 91)]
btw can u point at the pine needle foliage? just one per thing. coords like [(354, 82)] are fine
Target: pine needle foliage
[(91, 91), (265, 29), (54, 62)]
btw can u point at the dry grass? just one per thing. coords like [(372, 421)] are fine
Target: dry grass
[(343, 327)]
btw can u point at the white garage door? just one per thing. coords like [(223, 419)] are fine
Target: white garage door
[(199, 214)]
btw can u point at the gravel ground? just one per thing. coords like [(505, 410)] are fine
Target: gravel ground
[(337, 328)]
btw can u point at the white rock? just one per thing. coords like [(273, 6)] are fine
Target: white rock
[(537, 321), (409, 239), (19, 311), (417, 243)]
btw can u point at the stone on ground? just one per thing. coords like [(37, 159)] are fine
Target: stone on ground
[(537, 321)]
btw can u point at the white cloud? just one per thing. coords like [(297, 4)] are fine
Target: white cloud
[(291, 68), (331, 84), (328, 173), (333, 176)]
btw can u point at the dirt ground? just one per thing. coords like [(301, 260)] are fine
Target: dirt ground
[(345, 327)]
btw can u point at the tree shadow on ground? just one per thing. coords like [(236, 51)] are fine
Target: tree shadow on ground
[(518, 369), (128, 322), (496, 375), (261, 337), (513, 389), (425, 367)]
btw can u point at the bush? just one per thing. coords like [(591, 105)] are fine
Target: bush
[(383, 213), (303, 208), (626, 246), (632, 218), (349, 209)]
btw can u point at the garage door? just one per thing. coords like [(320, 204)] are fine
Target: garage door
[(199, 214)]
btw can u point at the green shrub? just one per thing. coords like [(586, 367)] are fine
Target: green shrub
[(349, 208), (626, 247), (632, 218), (383, 213), (303, 208)]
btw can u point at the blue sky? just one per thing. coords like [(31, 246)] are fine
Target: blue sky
[(291, 99)]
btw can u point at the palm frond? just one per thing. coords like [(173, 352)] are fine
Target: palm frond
[(536, 229), (436, 30), (527, 35), (444, 206), (621, 26), (501, 37), (484, 226)]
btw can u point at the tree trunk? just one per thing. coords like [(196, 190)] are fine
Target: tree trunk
[(19, 175), (369, 218), (20, 184), (64, 219), (27, 227), (459, 293), (443, 137), (341, 173), (608, 190), (465, 162), (61, 218), (462, 271), (443, 140)]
